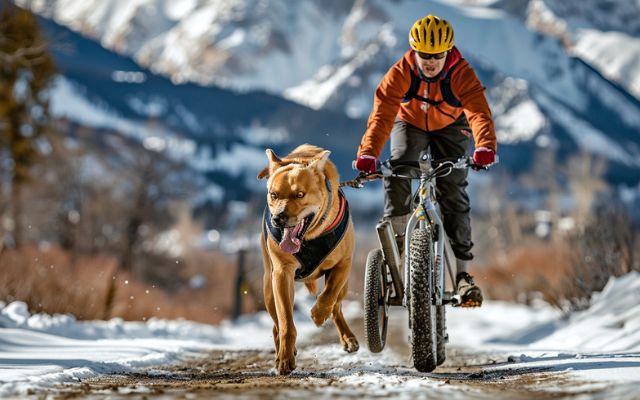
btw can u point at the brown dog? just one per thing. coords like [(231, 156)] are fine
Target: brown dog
[(307, 234)]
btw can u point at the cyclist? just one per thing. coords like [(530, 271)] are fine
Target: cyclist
[(432, 98)]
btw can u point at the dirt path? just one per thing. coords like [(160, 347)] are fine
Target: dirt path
[(325, 371)]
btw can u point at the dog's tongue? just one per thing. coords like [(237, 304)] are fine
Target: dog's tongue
[(290, 242)]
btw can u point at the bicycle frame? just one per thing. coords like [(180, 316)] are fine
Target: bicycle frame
[(426, 216), (424, 299)]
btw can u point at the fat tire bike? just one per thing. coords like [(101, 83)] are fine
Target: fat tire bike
[(417, 282)]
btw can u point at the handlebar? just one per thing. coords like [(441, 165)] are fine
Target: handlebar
[(385, 169)]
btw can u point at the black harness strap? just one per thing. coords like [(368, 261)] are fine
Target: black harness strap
[(313, 252)]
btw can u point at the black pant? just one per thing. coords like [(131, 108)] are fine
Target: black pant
[(452, 142)]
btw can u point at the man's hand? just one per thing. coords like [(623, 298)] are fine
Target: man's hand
[(484, 156), (366, 163)]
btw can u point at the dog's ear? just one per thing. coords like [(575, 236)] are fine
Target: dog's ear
[(320, 160), (263, 174), (274, 163)]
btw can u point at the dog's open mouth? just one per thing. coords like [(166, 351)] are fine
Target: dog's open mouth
[(292, 235)]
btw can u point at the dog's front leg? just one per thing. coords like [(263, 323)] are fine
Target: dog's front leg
[(267, 290), (335, 280), (283, 285), (270, 304)]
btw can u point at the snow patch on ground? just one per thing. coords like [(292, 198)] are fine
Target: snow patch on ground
[(38, 351), (600, 345)]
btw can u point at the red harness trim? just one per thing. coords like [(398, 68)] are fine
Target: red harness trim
[(339, 216)]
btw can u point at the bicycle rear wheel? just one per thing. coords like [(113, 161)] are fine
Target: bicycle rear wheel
[(422, 311), (375, 301)]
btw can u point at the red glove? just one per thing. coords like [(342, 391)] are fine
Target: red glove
[(366, 163), (484, 156)]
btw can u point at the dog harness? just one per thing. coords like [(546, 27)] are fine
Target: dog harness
[(313, 252)]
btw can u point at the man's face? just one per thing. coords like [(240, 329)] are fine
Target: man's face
[(431, 64)]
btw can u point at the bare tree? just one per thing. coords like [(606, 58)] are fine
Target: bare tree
[(25, 74), (584, 173)]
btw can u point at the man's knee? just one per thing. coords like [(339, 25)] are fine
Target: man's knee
[(454, 202)]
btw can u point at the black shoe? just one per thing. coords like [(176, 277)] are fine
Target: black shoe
[(470, 294)]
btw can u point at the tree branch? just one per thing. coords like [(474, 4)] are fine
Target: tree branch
[(27, 56)]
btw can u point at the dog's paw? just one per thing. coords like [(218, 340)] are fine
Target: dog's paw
[(295, 354), (320, 314), (350, 344), (284, 365)]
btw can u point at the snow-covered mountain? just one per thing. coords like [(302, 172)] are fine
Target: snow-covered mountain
[(553, 73), (279, 44), (604, 33), (220, 134)]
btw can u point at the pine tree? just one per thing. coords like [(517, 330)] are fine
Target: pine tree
[(26, 71)]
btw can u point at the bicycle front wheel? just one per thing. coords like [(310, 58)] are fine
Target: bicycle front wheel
[(421, 308)]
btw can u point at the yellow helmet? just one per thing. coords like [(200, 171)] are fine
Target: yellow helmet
[(431, 35)]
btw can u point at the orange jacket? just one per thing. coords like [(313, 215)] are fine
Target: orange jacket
[(391, 91)]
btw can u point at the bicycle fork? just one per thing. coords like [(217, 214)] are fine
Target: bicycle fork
[(426, 216)]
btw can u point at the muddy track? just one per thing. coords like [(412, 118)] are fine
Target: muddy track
[(250, 374)]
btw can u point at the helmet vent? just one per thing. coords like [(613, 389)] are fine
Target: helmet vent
[(431, 35)]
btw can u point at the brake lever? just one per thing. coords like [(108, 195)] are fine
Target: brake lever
[(372, 176), (478, 167), (385, 168)]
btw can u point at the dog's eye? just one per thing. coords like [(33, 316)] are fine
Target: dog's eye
[(273, 195), (300, 195)]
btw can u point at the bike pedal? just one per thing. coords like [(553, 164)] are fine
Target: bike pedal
[(471, 304)]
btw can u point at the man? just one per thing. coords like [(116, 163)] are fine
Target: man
[(431, 97)]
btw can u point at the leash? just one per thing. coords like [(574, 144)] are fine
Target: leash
[(359, 181)]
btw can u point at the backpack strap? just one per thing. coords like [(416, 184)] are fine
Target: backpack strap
[(445, 88), (412, 93)]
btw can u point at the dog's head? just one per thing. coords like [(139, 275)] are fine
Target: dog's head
[(295, 195)]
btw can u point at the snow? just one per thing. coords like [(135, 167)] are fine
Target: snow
[(598, 346), (587, 137), (177, 9), (332, 56), (601, 343), (603, 50), (603, 33), (68, 101), (316, 92), (519, 123), (38, 351), (253, 160)]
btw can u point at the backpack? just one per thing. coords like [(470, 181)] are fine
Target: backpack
[(445, 89)]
